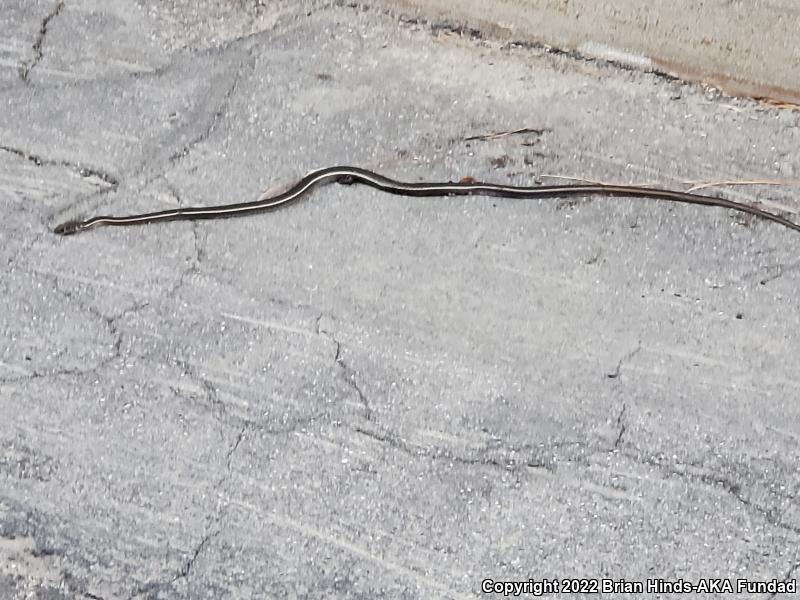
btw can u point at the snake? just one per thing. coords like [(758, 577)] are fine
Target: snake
[(345, 175)]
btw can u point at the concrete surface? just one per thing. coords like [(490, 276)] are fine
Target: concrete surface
[(366, 396), (744, 48)]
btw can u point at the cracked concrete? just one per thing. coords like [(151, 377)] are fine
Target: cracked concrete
[(790, 575), (366, 395), (154, 588), (38, 54), (83, 171), (622, 426), (348, 374)]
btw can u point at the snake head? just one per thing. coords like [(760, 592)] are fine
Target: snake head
[(68, 227)]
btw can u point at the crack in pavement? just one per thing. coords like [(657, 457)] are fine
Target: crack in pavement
[(770, 515), (621, 425), (787, 578), (246, 426), (348, 373), (154, 587), (142, 170), (217, 115), (437, 453), (82, 170), (221, 413), (111, 182), (235, 446), (198, 254), (218, 515), (38, 53), (382, 434), (617, 372), (110, 322), (212, 530), (187, 568), (218, 408)]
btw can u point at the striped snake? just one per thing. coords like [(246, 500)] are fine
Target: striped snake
[(467, 187)]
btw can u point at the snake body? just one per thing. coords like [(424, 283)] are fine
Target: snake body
[(355, 175)]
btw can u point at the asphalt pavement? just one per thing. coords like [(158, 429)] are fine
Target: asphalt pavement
[(372, 396)]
